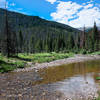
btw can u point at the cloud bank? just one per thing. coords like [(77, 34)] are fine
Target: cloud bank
[(75, 14)]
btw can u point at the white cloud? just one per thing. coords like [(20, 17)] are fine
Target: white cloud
[(12, 4), (86, 17), (90, 1), (51, 1), (88, 6), (2, 3), (76, 15)]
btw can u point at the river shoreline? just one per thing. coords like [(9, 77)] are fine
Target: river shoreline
[(26, 84), (75, 59)]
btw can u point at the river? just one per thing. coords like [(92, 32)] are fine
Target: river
[(76, 81)]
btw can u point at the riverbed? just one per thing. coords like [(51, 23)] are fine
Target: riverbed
[(71, 81)]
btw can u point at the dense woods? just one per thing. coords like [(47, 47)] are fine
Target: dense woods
[(27, 34)]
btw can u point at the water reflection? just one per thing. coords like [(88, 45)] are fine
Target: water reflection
[(76, 81), (78, 87), (59, 73)]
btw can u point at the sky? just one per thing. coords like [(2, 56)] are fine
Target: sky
[(76, 13)]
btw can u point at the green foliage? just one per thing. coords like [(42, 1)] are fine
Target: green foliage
[(9, 64), (96, 53), (33, 36), (83, 51), (38, 35), (98, 98), (97, 78), (45, 57)]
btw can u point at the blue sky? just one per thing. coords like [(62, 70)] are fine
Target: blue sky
[(75, 13)]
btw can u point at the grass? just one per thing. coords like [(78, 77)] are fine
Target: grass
[(98, 98), (45, 57), (9, 64), (96, 53), (83, 51), (22, 59), (97, 78)]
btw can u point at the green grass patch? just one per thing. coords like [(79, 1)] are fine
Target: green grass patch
[(21, 60), (6, 67), (9, 64), (85, 52), (97, 78), (96, 53), (98, 98), (45, 57)]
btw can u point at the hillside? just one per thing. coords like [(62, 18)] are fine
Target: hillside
[(33, 27), (16, 19)]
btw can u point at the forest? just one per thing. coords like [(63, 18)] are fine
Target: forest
[(27, 34)]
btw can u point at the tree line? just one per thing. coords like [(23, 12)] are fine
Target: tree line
[(14, 42)]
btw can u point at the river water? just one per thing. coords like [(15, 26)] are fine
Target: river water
[(76, 81)]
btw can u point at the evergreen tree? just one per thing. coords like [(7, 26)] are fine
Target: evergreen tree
[(20, 41), (83, 39), (96, 38), (8, 41)]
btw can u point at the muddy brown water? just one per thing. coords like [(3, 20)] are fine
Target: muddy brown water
[(76, 81)]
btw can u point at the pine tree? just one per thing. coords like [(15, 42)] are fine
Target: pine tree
[(70, 42), (20, 41), (8, 42), (83, 39), (96, 38), (32, 44), (6, 37)]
